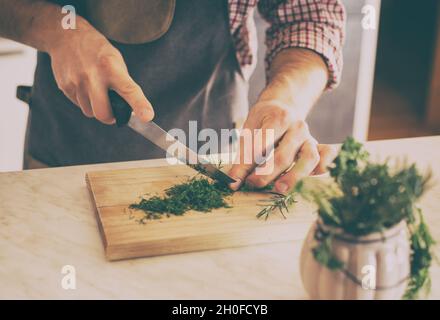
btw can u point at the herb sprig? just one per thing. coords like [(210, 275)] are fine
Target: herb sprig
[(278, 202)]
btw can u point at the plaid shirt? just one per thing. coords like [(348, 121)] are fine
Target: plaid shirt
[(318, 25)]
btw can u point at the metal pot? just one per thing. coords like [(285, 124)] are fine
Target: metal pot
[(376, 266)]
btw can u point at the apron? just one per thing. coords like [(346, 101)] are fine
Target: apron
[(189, 73)]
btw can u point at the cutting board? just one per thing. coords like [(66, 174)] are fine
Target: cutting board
[(125, 237)]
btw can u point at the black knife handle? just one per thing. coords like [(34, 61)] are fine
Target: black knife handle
[(24, 93), (121, 109)]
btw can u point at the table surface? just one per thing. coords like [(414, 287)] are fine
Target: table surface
[(47, 222)]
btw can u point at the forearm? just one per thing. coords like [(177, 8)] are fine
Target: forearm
[(297, 78), (35, 23)]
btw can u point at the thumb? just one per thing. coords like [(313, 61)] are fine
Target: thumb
[(132, 93)]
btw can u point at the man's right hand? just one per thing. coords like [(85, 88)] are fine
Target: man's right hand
[(86, 66)]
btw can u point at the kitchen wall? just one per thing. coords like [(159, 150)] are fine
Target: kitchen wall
[(405, 71), (17, 64)]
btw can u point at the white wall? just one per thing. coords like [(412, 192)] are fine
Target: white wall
[(17, 65)]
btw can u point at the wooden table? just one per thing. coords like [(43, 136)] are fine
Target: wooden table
[(47, 222)]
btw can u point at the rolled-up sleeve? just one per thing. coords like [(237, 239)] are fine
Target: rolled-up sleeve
[(318, 25)]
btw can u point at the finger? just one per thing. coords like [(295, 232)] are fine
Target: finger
[(255, 144), (273, 127), (327, 154), (131, 92), (283, 158), (84, 104), (255, 148), (82, 96), (243, 164), (70, 94), (101, 104), (307, 161)]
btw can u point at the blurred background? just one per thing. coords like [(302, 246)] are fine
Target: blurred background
[(390, 86)]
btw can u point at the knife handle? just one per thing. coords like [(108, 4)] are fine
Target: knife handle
[(121, 109), (24, 93)]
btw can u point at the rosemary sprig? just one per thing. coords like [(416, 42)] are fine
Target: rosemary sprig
[(278, 202)]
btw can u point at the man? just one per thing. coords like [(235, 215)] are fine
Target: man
[(175, 61)]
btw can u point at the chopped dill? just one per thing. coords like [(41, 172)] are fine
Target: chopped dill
[(197, 194)]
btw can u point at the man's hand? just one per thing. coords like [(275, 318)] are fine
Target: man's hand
[(84, 63), (296, 152), (86, 66), (297, 79)]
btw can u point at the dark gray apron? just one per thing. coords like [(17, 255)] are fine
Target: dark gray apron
[(189, 73)]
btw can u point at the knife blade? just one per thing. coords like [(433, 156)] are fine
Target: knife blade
[(154, 133)]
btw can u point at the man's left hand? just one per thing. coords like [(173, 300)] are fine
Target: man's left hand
[(296, 155)]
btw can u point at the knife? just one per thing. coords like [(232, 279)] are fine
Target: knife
[(124, 116), (154, 133)]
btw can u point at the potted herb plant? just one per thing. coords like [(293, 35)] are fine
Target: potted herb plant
[(370, 240)]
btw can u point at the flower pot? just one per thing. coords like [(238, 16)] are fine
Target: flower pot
[(376, 266)]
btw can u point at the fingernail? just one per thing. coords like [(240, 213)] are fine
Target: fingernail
[(235, 185), (282, 187)]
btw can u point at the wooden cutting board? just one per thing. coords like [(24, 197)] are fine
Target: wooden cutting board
[(125, 237)]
